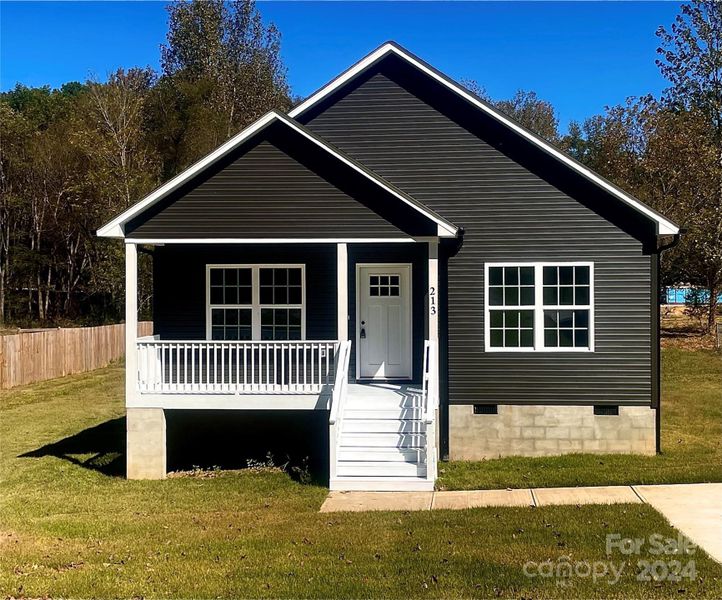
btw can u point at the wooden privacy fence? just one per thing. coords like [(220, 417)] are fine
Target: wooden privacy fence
[(31, 356)]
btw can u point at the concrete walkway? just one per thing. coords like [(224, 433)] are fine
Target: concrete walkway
[(694, 509)]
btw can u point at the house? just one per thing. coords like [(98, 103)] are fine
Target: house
[(397, 252)]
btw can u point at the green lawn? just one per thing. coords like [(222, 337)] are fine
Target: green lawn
[(691, 441), (67, 529)]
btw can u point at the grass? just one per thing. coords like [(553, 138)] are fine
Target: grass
[(67, 529), (691, 441)]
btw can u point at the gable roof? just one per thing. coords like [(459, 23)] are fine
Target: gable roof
[(116, 227), (664, 226)]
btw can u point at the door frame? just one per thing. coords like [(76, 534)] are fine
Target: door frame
[(410, 319)]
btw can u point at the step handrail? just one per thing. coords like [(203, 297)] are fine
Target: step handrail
[(430, 387)]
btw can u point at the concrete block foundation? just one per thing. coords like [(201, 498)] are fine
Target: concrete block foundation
[(536, 430), (146, 443)]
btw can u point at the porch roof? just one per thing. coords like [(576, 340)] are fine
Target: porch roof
[(400, 211)]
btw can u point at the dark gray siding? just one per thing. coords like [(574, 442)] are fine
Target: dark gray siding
[(279, 186), (514, 206), (179, 284)]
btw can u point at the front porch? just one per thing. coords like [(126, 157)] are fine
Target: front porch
[(244, 326)]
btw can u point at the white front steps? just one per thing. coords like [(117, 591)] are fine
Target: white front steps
[(382, 442)]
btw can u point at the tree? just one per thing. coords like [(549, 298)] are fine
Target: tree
[(691, 59), (225, 65), (535, 114)]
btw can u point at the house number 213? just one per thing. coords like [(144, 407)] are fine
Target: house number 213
[(432, 300)]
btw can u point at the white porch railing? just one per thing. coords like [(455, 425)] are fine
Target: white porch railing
[(235, 367), (338, 399), (431, 404)]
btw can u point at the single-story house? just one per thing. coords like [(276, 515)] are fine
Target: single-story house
[(397, 252)]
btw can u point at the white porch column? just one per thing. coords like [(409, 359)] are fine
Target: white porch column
[(434, 291), (131, 321), (342, 290)]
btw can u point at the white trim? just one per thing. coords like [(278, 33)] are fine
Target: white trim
[(131, 324), (538, 307), (256, 304), (342, 291), (410, 318), (170, 241), (256, 401), (115, 227), (664, 226)]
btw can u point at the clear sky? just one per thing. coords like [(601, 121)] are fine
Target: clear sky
[(579, 55)]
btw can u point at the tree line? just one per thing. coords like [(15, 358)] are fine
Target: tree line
[(74, 157)]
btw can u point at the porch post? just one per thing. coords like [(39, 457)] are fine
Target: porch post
[(131, 320), (434, 291), (433, 312), (342, 291)]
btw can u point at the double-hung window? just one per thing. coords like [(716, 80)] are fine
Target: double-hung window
[(544, 307), (255, 302)]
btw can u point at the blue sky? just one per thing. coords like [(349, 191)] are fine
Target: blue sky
[(579, 55)]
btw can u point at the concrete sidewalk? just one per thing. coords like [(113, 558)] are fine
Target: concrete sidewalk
[(694, 509)]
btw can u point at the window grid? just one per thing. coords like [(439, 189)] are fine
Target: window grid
[(567, 327), (384, 285), (276, 302)]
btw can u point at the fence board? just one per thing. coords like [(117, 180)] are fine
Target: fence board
[(32, 356)]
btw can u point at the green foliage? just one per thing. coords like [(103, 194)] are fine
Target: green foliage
[(74, 157)]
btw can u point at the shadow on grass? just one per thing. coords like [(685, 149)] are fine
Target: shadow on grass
[(101, 448), (225, 439)]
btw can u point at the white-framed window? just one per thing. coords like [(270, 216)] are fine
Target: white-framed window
[(255, 302), (539, 307)]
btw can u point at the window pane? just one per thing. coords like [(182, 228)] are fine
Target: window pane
[(581, 275), (497, 338), (216, 295), (526, 275), (374, 280), (511, 318), (245, 276), (231, 295), (216, 277), (566, 275), (231, 333), (496, 318), (384, 290), (217, 316), (565, 319), (565, 338), (511, 275), (294, 333), (511, 338), (527, 296), (294, 276), (527, 338), (266, 316), (231, 317), (280, 295), (550, 338), (581, 318), (217, 333), (496, 276), (566, 295), (266, 295), (230, 277), (527, 318), (511, 296), (266, 276), (374, 291), (496, 296), (581, 338), (581, 295), (550, 318), (267, 333), (550, 296), (550, 275), (294, 317), (245, 295), (281, 317), (294, 295)]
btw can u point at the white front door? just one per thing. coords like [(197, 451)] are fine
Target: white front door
[(383, 321)]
